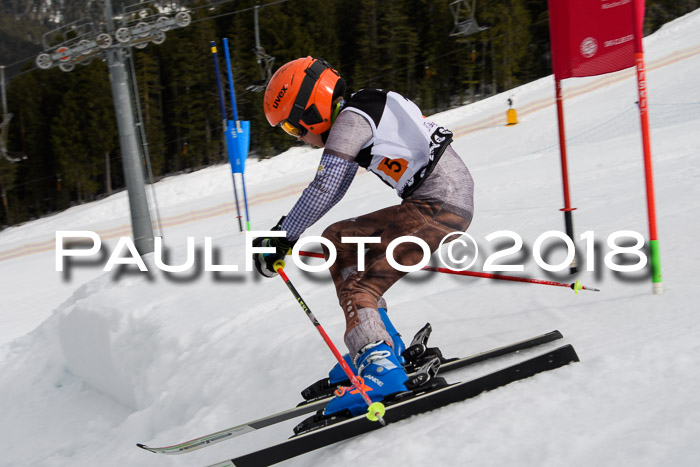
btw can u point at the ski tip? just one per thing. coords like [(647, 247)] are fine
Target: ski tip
[(143, 446)]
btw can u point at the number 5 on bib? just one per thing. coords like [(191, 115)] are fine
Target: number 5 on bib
[(393, 168)]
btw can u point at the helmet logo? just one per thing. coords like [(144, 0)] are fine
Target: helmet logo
[(279, 97)]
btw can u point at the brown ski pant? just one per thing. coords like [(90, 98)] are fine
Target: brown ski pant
[(359, 291)]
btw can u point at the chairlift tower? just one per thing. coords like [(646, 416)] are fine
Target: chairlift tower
[(138, 25)]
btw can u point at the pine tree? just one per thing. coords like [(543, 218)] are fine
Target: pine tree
[(509, 38), (78, 167), (147, 63), (33, 100), (190, 95), (660, 12), (398, 45), (439, 56), (100, 130), (365, 36)]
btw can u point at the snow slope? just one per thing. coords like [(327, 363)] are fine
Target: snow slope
[(94, 362)]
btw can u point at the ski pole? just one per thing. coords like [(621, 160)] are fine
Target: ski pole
[(375, 410), (575, 286)]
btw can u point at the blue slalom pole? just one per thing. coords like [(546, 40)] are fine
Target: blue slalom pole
[(230, 81), (238, 125), (222, 103)]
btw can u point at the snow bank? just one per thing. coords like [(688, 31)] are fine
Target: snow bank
[(106, 342)]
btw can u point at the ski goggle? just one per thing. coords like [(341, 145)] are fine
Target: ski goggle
[(293, 130)]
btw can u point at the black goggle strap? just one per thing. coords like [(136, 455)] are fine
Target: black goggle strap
[(312, 74)]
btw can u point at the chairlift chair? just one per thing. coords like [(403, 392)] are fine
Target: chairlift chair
[(462, 26)]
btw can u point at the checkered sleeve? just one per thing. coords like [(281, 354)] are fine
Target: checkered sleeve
[(332, 181)]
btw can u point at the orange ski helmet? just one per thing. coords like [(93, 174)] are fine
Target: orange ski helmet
[(299, 96)]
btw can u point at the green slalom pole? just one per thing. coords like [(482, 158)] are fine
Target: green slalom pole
[(655, 265)]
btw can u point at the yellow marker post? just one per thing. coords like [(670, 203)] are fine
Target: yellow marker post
[(511, 117)]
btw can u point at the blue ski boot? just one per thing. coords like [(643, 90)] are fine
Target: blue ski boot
[(325, 387), (383, 376), (337, 375)]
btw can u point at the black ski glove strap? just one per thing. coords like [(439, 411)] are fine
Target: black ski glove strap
[(264, 262), (281, 243)]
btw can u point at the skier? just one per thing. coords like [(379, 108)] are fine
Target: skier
[(386, 134)]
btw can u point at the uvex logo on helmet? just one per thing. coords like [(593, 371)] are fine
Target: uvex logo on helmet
[(279, 97)]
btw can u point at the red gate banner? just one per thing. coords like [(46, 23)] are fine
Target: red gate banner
[(593, 37)]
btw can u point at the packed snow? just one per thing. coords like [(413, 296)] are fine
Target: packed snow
[(93, 362)]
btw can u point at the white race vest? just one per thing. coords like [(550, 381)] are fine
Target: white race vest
[(405, 146)]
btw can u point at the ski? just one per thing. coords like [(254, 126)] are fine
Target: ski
[(355, 426), (309, 407), (451, 364)]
